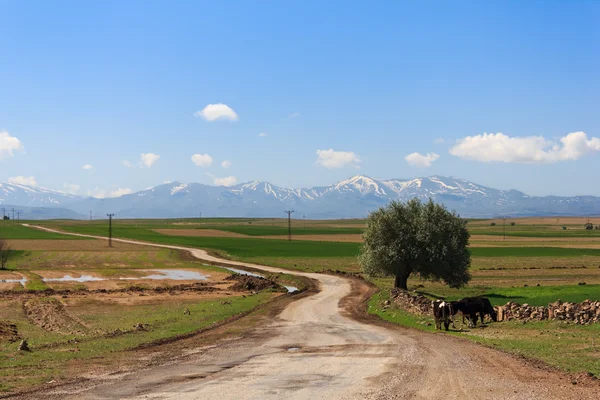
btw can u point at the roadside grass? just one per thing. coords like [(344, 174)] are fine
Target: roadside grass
[(570, 347), (110, 333)]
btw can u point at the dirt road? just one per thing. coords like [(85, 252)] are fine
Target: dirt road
[(314, 350)]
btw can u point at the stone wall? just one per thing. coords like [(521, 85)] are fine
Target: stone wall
[(584, 313)]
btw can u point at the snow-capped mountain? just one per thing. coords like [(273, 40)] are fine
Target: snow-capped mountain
[(349, 198), (23, 195)]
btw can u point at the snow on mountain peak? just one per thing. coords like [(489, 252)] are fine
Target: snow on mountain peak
[(178, 188), (363, 184)]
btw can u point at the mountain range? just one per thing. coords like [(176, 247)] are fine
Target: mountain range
[(350, 198)]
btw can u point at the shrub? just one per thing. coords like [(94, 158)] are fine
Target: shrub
[(512, 223), (564, 228), (492, 224)]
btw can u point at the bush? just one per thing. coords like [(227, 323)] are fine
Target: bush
[(492, 224), (512, 223), (589, 226), (564, 228)]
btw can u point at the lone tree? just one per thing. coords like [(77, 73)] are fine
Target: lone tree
[(4, 253), (416, 238)]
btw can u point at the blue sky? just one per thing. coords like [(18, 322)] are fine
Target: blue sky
[(100, 83)]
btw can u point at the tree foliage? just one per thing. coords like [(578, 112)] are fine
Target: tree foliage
[(4, 253), (416, 238)]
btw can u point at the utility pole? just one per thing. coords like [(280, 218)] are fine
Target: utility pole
[(90, 215), (13, 211), (18, 216), (4, 215), (304, 216), (503, 228), (289, 213), (110, 229)]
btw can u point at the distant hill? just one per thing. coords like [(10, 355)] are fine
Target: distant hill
[(350, 198), (40, 212)]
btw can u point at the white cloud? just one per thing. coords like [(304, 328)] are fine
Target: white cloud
[(490, 147), (294, 115), (88, 166), (127, 164), (336, 159), (439, 140), (148, 159), (9, 144), (71, 188), (202, 160), (420, 160), (226, 164), (262, 134), (23, 180), (101, 193), (213, 112)]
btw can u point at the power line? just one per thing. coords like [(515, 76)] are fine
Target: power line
[(110, 229), (289, 213)]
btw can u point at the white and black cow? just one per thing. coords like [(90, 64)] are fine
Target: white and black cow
[(442, 312)]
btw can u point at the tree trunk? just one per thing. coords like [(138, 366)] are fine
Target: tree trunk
[(401, 280)]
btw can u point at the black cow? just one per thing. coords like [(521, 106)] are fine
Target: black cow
[(472, 306), (442, 312)]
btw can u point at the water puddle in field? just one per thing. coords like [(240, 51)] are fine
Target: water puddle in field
[(290, 289), (69, 278), (174, 275), (162, 274), (22, 281)]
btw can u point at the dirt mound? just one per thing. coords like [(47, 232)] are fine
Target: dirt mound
[(9, 332), (49, 313), (250, 283)]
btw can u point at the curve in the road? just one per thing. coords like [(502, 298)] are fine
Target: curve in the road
[(316, 352)]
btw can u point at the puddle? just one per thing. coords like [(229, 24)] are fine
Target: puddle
[(174, 275), (22, 281), (163, 274), (69, 278)]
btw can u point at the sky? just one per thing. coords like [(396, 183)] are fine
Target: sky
[(105, 98)]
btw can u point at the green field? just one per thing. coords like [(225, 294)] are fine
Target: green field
[(22, 232), (519, 269)]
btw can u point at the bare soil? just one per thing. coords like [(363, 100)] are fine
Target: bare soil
[(9, 332), (50, 314)]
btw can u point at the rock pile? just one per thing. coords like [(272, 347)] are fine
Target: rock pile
[(584, 313), (414, 303)]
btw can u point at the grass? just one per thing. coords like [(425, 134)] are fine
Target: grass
[(52, 354), (23, 232), (266, 230), (571, 347)]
